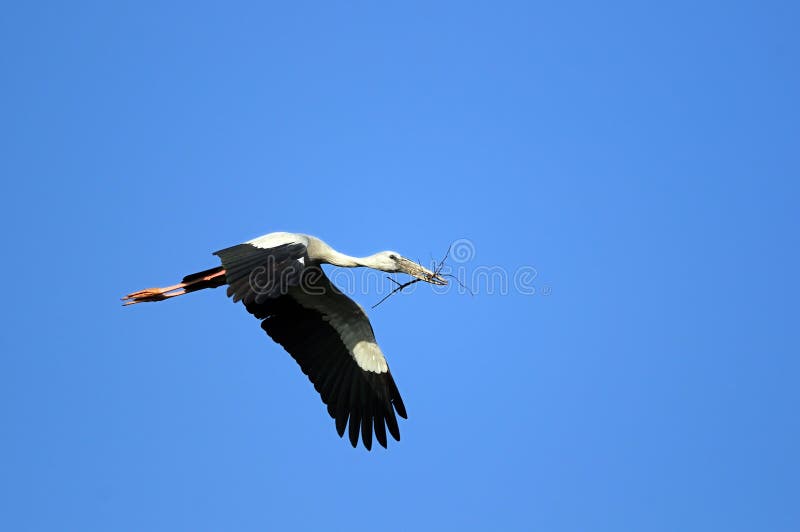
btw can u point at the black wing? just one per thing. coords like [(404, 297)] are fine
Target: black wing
[(256, 274), (301, 313)]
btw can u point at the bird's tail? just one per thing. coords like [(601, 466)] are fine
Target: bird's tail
[(191, 283)]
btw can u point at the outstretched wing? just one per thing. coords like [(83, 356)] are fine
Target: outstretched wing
[(327, 333), (265, 267)]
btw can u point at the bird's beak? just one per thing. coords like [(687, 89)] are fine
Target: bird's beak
[(423, 274)]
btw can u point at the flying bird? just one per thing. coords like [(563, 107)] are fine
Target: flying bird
[(279, 280)]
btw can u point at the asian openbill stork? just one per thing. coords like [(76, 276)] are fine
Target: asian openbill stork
[(279, 279)]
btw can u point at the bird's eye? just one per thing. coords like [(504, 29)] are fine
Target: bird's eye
[(393, 257)]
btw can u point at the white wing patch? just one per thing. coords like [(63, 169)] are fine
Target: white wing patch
[(369, 357), (272, 240)]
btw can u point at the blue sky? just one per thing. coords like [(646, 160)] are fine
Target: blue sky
[(641, 157)]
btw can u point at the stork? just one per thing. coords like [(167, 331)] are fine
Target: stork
[(279, 280)]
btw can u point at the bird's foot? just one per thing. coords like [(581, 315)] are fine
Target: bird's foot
[(154, 294)]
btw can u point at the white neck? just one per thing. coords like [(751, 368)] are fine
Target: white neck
[(345, 261), (322, 252)]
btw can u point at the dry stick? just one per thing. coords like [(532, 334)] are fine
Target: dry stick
[(436, 271), (441, 265), (393, 292), (462, 285)]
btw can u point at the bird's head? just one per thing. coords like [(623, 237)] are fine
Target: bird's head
[(393, 262)]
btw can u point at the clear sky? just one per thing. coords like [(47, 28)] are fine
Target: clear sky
[(636, 161)]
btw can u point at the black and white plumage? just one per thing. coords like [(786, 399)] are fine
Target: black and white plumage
[(279, 280)]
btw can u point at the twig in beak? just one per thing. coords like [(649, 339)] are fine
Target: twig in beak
[(436, 273), (441, 265), (398, 289)]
